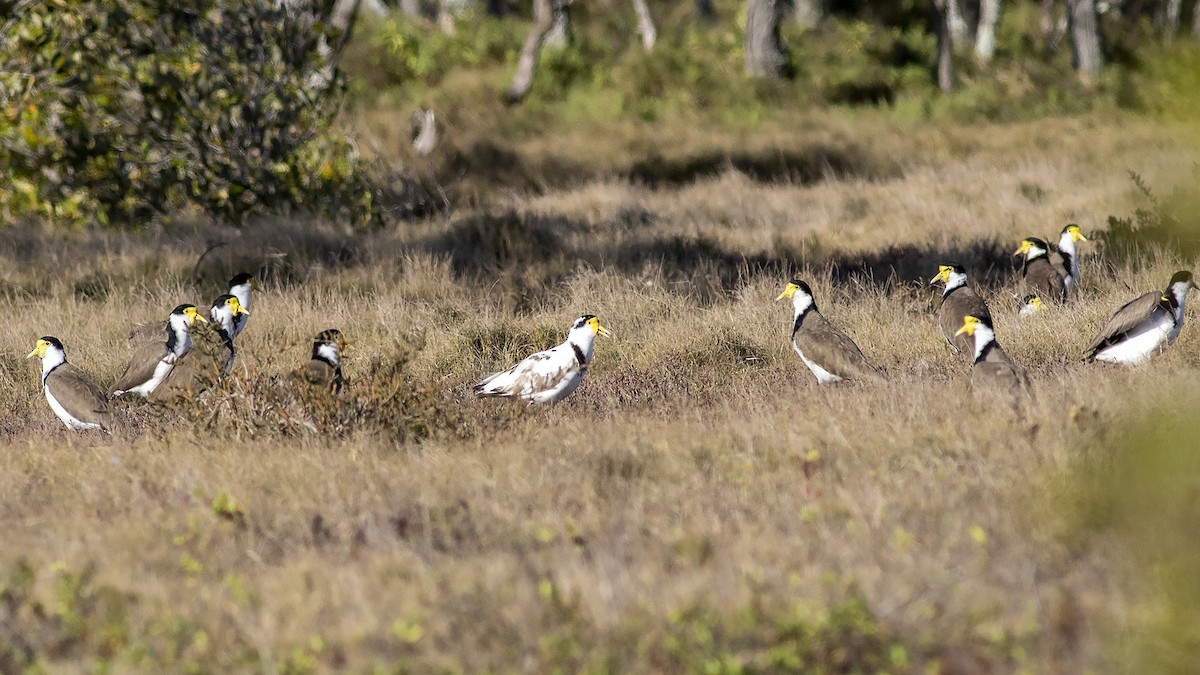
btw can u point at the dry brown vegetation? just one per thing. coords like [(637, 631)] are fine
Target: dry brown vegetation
[(699, 503)]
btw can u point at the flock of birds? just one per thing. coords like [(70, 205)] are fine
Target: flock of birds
[(193, 357)]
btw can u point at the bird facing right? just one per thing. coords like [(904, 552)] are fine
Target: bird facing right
[(1143, 326), (324, 369), (549, 376)]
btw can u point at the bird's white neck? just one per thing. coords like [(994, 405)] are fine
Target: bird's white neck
[(223, 317), (242, 293), (53, 358), (955, 280), (583, 339), (801, 303), (182, 337), (328, 353), (1066, 246), (1179, 290), (984, 338)]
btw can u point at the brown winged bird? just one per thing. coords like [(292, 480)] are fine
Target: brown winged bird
[(828, 352)]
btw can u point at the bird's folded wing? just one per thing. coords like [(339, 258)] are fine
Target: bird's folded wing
[(1125, 319), (141, 366), (77, 394), (833, 350)]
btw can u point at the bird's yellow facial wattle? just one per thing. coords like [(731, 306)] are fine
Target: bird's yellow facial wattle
[(1076, 235), (193, 315), (1025, 246), (1036, 302), (39, 350), (236, 306), (968, 326), (943, 274), (789, 292)]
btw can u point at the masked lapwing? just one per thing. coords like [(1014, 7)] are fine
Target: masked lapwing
[(1143, 326), (153, 361), (210, 358), (828, 352), (74, 398), (240, 287), (958, 300), (1030, 305), (1070, 258), (549, 376), (1041, 277), (993, 373), (324, 369)]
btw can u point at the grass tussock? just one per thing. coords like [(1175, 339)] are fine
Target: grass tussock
[(698, 504)]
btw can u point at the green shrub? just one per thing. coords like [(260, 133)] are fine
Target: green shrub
[(112, 111)]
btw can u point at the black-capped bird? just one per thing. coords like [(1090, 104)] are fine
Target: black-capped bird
[(152, 361), (1070, 258), (210, 358), (74, 398), (1143, 326), (828, 352), (993, 373), (549, 376), (958, 300), (1043, 279), (324, 369), (1030, 305)]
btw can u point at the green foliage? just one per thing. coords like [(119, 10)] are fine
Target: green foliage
[(1171, 222), (116, 110)]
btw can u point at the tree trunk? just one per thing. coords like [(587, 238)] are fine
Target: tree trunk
[(985, 35), (411, 8), (543, 21), (645, 24), (945, 44), (763, 49), (808, 13), (1196, 20), (1085, 39), (1171, 24), (560, 31)]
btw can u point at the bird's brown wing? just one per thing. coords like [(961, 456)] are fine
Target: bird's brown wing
[(318, 373), (195, 371), (1125, 319), (1043, 279), (78, 395), (141, 366), (147, 333), (827, 346), (962, 302), (998, 375)]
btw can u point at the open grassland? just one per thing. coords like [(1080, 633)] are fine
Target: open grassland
[(699, 504)]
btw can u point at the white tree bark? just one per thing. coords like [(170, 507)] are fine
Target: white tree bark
[(762, 47), (645, 24), (1171, 27), (560, 31), (985, 35), (1085, 39), (543, 22), (945, 44), (808, 13), (958, 25)]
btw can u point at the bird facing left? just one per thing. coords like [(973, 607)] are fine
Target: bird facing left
[(72, 395)]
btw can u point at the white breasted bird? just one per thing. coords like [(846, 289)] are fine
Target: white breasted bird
[(1042, 278), (211, 357), (1143, 326), (828, 352), (1030, 305), (993, 374), (549, 376), (153, 361), (74, 398), (324, 369), (958, 300), (240, 287), (1070, 257)]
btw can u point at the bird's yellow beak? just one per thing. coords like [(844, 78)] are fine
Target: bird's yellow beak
[(968, 326), (1077, 235), (1025, 246), (603, 331), (943, 275), (236, 306), (193, 315), (789, 291), (39, 350)]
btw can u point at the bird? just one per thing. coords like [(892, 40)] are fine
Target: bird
[(239, 287), (153, 361), (993, 374), (74, 398), (828, 352), (1143, 326), (1030, 305), (1040, 276), (958, 300), (1070, 258), (211, 357), (324, 369), (551, 375)]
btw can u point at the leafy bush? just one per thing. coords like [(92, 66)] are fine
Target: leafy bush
[(1169, 221), (114, 110)]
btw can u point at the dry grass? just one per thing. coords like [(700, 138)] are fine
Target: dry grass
[(699, 504)]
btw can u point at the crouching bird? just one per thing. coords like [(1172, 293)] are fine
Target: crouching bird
[(549, 376), (994, 376), (1143, 326), (324, 369)]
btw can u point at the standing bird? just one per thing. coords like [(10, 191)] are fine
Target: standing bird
[(1030, 305), (211, 357), (993, 374), (1040, 276), (153, 361), (240, 287), (549, 376), (1070, 258), (1143, 326), (324, 369), (828, 352), (959, 300), (73, 397)]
